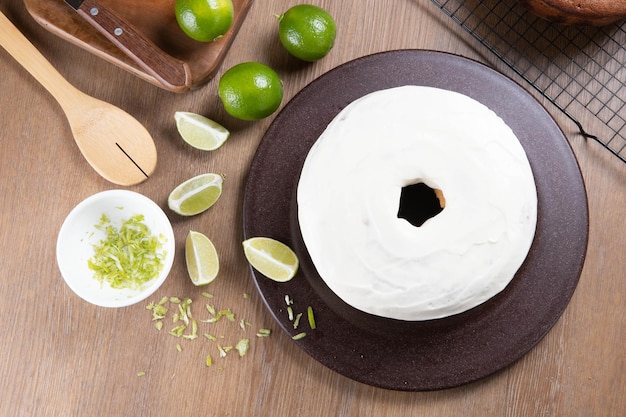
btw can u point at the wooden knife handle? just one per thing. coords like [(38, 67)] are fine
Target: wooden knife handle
[(171, 72)]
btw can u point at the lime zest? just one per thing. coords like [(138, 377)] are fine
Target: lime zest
[(210, 337), (311, 317), (296, 322), (178, 330), (299, 336), (242, 347), (222, 351), (158, 311), (194, 331), (189, 328), (263, 333), (128, 257), (217, 316)]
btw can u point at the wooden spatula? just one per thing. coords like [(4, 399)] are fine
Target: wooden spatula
[(114, 143)]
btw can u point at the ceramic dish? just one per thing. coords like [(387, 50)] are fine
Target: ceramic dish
[(155, 19), (432, 354), (79, 233)]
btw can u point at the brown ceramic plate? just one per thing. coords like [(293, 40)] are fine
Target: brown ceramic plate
[(155, 19), (434, 354)]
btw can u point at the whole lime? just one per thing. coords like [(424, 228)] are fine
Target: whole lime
[(250, 91), (204, 20), (307, 32)]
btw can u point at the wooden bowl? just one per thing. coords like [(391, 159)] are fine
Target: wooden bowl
[(155, 19)]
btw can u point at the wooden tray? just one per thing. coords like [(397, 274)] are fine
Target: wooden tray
[(155, 19)]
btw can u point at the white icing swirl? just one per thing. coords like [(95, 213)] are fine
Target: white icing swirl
[(349, 194)]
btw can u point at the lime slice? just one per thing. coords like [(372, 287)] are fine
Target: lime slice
[(272, 258), (201, 256), (196, 194), (199, 131)]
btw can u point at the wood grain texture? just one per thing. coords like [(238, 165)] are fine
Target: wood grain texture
[(173, 74), (114, 143), (63, 357), (156, 21)]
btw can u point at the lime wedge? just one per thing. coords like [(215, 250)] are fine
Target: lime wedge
[(199, 131), (202, 261), (272, 258), (196, 194)]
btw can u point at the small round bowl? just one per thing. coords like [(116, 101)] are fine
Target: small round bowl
[(79, 233)]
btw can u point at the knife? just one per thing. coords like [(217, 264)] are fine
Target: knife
[(171, 72)]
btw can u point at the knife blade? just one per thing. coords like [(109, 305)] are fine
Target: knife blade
[(171, 72)]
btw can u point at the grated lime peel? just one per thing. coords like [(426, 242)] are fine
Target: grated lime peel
[(242, 347), (187, 328), (311, 317), (128, 257)]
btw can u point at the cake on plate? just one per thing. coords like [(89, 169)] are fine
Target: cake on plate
[(389, 149)]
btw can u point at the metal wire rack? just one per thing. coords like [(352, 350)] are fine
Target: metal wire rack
[(579, 69)]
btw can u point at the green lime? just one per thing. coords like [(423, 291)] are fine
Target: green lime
[(199, 131), (196, 194), (201, 257), (250, 91), (307, 32), (272, 258), (204, 20)]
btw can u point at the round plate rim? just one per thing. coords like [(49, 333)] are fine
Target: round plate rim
[(431, 355)]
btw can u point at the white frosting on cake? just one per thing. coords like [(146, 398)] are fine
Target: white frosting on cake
[(349, 195)]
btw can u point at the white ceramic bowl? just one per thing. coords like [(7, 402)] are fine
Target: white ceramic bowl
[(78, 234)]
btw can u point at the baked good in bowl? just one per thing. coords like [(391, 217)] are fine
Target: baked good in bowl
[(581, 12)]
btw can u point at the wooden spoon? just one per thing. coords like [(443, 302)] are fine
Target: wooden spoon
[(114, 143)]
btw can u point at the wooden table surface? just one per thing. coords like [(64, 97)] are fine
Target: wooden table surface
[(61, 356)]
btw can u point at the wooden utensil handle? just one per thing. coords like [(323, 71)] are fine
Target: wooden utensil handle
[(165, 68), (24, 52)]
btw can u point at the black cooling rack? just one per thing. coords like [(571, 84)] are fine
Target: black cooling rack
[(579, 69)]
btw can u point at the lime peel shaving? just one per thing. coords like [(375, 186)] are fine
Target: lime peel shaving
[(128, 257)]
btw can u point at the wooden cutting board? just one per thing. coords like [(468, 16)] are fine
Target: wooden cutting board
[(155, 19)]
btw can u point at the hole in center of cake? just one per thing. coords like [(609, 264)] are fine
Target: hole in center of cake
[(419, 202)]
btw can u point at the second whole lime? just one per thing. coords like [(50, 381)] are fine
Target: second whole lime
[(250, 91), (307, 32), (204, 20)]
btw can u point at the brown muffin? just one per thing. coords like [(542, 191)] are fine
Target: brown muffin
[(581, 12)]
